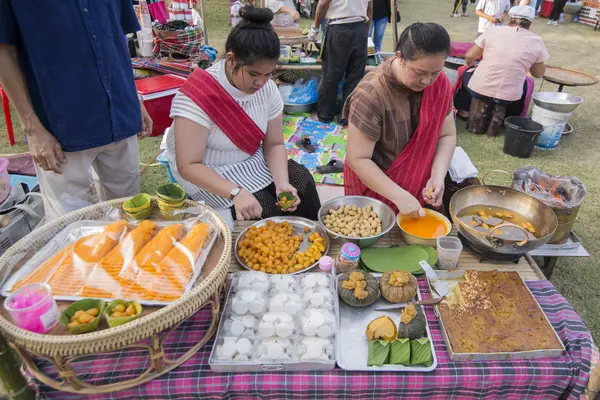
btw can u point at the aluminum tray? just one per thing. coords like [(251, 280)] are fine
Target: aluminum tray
[(353, 349), (76, 231), (299, 224), (257, 366), (452, 278)]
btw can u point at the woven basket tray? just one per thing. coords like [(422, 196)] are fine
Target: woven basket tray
[(155, 324), (569, 77)]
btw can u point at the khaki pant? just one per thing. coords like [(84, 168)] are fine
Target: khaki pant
[(112, 169)]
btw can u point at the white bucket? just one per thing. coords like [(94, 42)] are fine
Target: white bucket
[(146, 47), (554, 124)]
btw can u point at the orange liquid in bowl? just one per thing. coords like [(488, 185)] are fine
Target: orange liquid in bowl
[(427, 227)]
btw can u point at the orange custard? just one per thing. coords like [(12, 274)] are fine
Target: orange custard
[(427, 227)]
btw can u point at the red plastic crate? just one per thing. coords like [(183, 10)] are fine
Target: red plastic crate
[(157, 93)]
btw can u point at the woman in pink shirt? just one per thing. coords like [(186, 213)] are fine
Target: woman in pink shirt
[(495, 89)]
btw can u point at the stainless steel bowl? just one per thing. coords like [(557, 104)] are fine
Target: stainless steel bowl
[(383, 211), (298, 108), (299, 224), (557, 101)]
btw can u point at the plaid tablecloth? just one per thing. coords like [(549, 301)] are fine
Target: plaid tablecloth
[(563, 377)]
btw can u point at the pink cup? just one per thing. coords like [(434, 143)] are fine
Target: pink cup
[(33, 308)]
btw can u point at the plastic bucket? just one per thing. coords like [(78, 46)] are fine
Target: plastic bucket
[(520, 136), (554, 125)]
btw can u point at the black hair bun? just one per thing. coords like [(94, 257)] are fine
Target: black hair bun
[(256, 16)]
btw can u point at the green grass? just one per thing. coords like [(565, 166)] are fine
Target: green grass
[(570, 45)]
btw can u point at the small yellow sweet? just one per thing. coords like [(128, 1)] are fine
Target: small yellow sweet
[(130, 310), (116, 314), (119, 308), (85, 318), (93, 311), (73, 324)]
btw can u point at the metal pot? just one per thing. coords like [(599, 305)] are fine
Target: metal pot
[(497, 196)]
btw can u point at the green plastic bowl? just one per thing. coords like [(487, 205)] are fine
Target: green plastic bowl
[(82, 305), (137, 203), (171, 192), (116, 321)]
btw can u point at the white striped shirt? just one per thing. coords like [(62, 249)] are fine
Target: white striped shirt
[(224, 157)]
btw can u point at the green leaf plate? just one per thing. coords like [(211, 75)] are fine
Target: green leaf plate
[(83, 305), (402, 258)]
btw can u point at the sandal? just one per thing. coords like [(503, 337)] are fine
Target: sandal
[(332, 167), (305, 144)]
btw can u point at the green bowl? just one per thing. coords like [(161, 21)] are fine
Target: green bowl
[(141, 215), (286, 200), (116, 321), (171, 192), (166, 204), (137, 203), (83, 305)]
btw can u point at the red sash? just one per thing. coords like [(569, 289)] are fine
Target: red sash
[(412, 168), (223, 110)]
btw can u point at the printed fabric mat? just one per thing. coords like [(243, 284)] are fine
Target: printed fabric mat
[(329, 140), (558, 378)]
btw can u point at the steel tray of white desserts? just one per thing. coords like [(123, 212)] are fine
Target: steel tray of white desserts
[(353, 347), (277, 323)]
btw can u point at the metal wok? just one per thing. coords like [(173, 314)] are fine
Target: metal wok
[(539, 214)]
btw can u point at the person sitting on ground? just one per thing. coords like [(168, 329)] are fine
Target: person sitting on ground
[(495, 89), (401, 133), (225, 146), (285, 12), (491, 13)]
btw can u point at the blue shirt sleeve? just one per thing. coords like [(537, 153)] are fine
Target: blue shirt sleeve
[(8, 25), (129, 21)]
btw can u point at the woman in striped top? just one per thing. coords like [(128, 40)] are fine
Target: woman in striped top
[(225, 146)]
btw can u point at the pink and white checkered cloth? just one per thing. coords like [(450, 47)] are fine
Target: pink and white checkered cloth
[(559, 378)]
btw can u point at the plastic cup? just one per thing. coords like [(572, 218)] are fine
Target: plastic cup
[(448, 250), (33, 308)]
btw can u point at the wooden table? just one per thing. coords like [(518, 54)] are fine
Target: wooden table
[(526, 266)]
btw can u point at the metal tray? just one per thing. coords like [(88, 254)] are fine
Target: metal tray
[(299, 224), (258, 366), (353, 348), (76, 231), (452, 278)]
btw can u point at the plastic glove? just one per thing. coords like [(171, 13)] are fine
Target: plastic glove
[(313, 33)]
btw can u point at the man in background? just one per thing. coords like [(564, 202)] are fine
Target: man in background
[(491, 13), (344, 51), (66, 70)]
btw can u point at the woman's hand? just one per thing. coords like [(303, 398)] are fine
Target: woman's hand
[(296, 16), (434, 191), (246, 206), (408, 205), (286, 187)]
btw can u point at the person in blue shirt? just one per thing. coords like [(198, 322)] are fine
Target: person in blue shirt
[(66, 69)]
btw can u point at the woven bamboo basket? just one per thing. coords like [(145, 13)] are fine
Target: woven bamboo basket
[(147, 333)]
